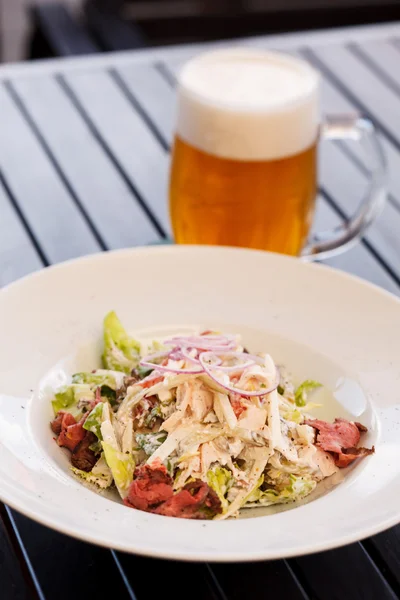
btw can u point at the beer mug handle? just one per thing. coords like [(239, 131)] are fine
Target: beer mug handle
[(361, 129)]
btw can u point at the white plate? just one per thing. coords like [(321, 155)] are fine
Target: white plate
[(323, 324)]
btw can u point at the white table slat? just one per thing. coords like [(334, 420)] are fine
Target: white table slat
[(358, 260), (346, 184), (378, 98), (114, 211), (126, 134), (385, 56), (153, 93), (54, 218), (334, 102), (18, 256)]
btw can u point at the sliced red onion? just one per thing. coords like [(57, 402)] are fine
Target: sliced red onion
[(185, 351), (218, 343), (176, 354), (249, 360), (210, 370), (152, 357)]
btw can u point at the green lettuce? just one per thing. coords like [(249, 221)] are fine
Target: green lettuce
[(143, 371), (152, 416), (121, 352), (220, 480), (96, 447), (94, 421), (101, 377), (298, 488), (300, 395), (294, 415), (255, 493), (108, 382), (68, 397), (149, 442), (100, 475), (122, 467)]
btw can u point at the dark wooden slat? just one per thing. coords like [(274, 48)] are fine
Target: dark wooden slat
[(188, 580), (385, 550), (259, 580), (67, 568), (347, 572), (13, 585)]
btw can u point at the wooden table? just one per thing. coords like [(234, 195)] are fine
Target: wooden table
[(84, 159)]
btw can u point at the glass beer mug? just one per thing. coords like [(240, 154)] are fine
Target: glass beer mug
[(244, 164)]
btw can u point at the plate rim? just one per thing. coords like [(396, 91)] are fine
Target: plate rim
[(207, 555)]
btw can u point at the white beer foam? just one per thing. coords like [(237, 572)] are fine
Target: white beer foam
[(248, 104)]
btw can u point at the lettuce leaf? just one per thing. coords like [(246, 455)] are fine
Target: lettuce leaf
[(255, 493), (153, 415), (68, 397), (96, 447), (121, 352), (100, 475), (293, 415), (111, 379), (300, 395), (298, 488), (94, 421), (220, 480), (122, 467)]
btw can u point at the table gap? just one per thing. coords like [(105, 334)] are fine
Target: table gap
[(127, 92), (100, 139), (21, 575), (35, 243), (28, 564), (129, 589), (312, 57), (358, 52), (377, 558), (47, 150), (165, 73), (363, 241)]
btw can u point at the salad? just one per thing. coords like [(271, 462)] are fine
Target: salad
[(196, 427)]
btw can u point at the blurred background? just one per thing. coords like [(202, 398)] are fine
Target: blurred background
[(31, 29)]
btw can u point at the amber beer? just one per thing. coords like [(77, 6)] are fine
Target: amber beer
[(244, 160)]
